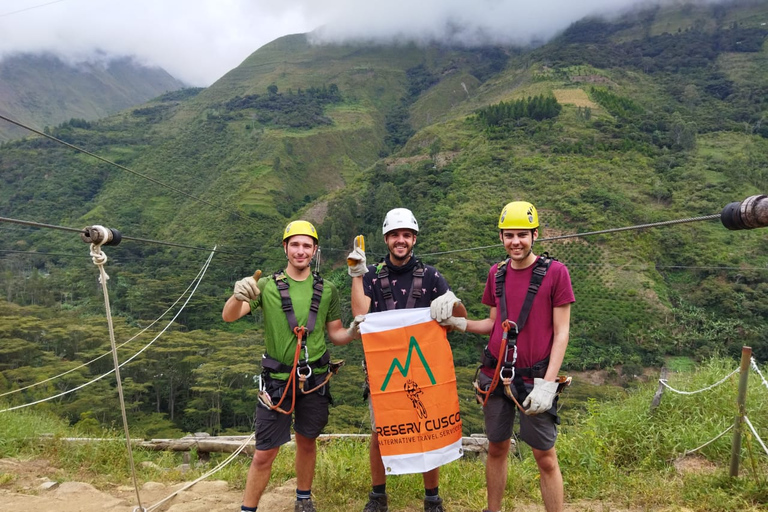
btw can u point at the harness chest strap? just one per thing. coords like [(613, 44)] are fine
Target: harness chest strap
[(539, 271), (540, 268), (414, 293), (285, 299), (302, 368)]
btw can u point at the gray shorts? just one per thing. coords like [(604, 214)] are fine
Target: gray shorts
[(273, 428), (538, 431)]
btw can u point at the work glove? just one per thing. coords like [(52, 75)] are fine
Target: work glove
[(247, 288), (455, 323), (354, 327), (356, 265), (442, 307), (541, 397)]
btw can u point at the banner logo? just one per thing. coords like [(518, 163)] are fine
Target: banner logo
[(412, 391), (412, 347)]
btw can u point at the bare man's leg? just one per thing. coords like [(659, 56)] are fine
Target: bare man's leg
[(551, 481), (258, 476)]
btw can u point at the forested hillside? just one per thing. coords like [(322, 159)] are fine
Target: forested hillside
[(659, 115), (44, 91)]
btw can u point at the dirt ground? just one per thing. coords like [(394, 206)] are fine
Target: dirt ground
[(33, 489)]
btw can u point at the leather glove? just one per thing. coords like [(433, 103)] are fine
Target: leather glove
[(356, 265), (247, 288), (541, 397), (442, 307), (455, 323), (354, 327)]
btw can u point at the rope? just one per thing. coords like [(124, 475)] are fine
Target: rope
[(663, 382), (202, 270), (721, 434), (170, 322), (100, 259), (754, 367), (589, 233), (206, 475), (754, 432)]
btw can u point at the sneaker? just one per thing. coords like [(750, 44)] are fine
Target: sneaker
[(376, 503), (304, 506), (433, 505)]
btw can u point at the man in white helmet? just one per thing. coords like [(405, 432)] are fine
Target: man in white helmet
[(391, 285)]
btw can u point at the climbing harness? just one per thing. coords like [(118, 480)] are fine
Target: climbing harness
[(301, 368), (504, 366), (413, 295)]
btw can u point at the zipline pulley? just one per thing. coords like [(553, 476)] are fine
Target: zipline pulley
[(750, 213), (100, 235)]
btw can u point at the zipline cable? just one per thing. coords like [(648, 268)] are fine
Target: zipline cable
[(122, 167), (134, 356), (588, 233), (199, 275), (133, 239), (30, 8)]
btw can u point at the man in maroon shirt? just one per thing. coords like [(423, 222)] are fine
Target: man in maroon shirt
[(536, 356)]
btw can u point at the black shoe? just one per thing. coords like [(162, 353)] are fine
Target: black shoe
[(376, 503), (304, 506), (433, 505)]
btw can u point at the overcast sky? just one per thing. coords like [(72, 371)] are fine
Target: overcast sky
[(197, 41)]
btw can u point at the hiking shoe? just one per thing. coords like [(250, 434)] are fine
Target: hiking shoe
[(376, 503), (304, 506), (433, 505)]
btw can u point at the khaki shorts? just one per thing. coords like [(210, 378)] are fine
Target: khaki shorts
[(538, 431), (273, 428)]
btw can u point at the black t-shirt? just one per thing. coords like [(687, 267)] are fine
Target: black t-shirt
[(433, 284)]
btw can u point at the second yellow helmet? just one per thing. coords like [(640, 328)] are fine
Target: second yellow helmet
[(519, 215)]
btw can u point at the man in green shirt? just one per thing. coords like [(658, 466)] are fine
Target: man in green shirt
[(297, 304)]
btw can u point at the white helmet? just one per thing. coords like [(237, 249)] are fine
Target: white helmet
[(399, 218)]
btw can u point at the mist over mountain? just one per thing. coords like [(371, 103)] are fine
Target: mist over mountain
[(43, 90)]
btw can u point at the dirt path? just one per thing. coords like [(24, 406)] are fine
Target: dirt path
[(31, 490)]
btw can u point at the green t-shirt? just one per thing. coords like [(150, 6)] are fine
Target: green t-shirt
[(279, 338)]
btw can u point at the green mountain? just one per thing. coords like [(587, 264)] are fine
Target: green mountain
[(657, 116), (43, 91)]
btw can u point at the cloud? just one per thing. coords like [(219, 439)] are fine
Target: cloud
[(198, 41)]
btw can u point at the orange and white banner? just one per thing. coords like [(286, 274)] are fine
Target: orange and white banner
[(413, 390)]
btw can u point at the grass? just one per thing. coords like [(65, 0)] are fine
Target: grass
[(616, 452)]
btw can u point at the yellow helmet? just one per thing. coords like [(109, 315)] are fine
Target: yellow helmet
[(519, 215), (300, 227)]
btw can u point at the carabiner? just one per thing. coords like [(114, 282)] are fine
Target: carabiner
[(301, 375), (507, 325)]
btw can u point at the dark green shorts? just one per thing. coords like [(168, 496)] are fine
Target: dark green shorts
[(273, 428), (538, 431)]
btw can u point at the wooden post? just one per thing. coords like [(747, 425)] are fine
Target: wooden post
[(746, 357), (660, 391)]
